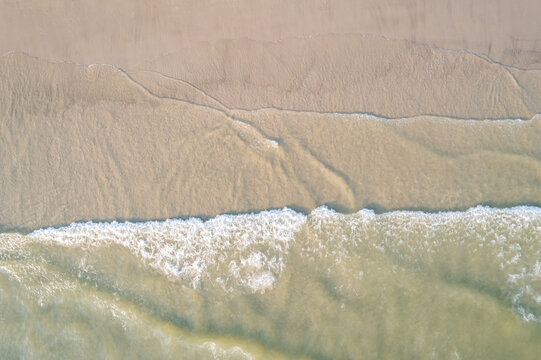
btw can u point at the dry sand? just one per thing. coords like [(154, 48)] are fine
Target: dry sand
[(233, 106), (127, 33)]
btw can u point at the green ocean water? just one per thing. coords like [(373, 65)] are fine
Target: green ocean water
[(277, 284)]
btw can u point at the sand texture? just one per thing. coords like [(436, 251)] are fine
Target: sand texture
[(270, 179), (349, 74), (127, 33), (89, 142), (150, 110)]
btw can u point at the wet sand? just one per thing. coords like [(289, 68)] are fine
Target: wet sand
[(94, 142), (233, 106)]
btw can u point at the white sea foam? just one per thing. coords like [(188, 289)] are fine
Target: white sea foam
[(217, 352), (505, 240), (249, 252)]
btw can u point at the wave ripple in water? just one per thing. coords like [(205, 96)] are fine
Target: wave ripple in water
[(280, 283)]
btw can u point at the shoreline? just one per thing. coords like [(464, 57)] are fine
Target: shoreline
[(304, 212)]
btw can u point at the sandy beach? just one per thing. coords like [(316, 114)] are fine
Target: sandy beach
[(129, 33), (95, 142), (270, 179), (265, 89)]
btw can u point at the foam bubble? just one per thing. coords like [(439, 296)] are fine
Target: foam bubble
[(235, 251)]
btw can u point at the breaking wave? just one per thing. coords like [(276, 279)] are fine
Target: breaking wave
[(283, 279)]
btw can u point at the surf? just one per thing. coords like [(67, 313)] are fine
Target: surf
[(251, 277)]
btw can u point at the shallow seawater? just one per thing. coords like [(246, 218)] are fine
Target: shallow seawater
[(278, 284)]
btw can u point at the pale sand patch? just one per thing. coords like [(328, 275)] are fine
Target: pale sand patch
[(346, 74), (127, 33)]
